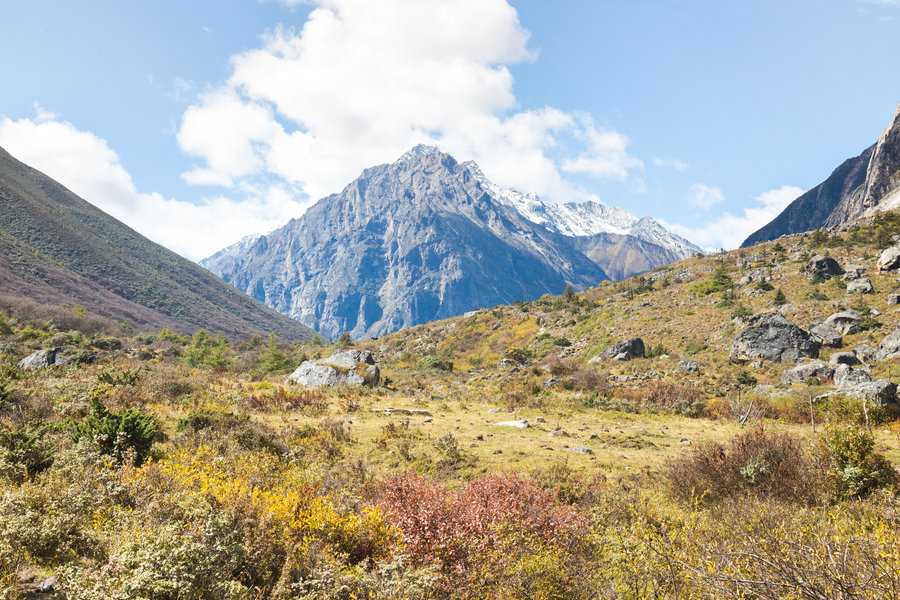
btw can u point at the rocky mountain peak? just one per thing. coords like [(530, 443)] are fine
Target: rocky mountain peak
[(417, 151)]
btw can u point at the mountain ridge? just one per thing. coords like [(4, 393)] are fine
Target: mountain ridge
[(58, 248)]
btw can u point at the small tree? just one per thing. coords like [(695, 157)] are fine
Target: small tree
[(780, 299), (344, 340)]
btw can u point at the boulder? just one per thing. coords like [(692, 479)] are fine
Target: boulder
[(864, 352), (852, 272), (352, 367), (772, 337), (826, 335), (844, 358), (889, 346), (845, 321), (633, 348), (801, 373), (893, 299), (40, 359), (856, 383), (860, 286), (688, 366), (752, 276), (823, 266), (889, 259)]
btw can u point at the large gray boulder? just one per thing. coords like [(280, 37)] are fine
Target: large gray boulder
[(845, 321), (856, 383), (351, 367), (772, 337), (889, 346), (889, 259), (802, 372), (826, 335), (852, 272), (633, 348), (823, 266), (40, 359), (844, 358), (860, 286)]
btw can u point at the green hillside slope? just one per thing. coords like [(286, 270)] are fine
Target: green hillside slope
[(56, 248)]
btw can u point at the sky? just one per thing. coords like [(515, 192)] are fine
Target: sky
[(198, 123)]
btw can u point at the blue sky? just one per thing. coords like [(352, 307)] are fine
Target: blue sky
[(200, 122)]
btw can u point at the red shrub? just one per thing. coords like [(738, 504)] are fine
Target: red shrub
[(452, 529)]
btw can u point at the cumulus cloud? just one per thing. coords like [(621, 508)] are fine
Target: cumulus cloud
[(704, 196), (361, 82), (670, 163), (728, 231), (86, 164)]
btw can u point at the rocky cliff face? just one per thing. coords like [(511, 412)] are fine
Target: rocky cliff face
[(406, 243), (861, 186)]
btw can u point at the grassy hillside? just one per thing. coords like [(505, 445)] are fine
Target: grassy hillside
[(56, 248), (190, 467)]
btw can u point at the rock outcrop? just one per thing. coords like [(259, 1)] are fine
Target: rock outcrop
[(823, 266), (351, 367), (826, 335), (889, 260), (627, 350), (774, 338), (846, 321), (856, 383), (861, 186), (40, 359), (804, 371), (860, 286)]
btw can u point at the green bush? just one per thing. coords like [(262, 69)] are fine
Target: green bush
[(119, 434), (746, 378), (205, 350), (853, 468), (718, 281), (741, 311), (439, 364), (26, 451), (562, 341)]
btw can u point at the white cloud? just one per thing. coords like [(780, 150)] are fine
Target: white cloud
[(704, 196), (364, 81), (670, 163), (729, 231), (86, 164)]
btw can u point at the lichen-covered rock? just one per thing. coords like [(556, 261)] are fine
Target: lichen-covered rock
[(826, 335), (856, 383), (40, 359), (802, 372), (889, 259), (688, 366), (772, 337), (845, 321), (823, 266), (860, 286), (633, 348), (844, 358), (889, 346), (351, 367)]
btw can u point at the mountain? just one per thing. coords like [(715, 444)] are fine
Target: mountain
[(861, 186), (588, 219), (406, 243), (56, 248)]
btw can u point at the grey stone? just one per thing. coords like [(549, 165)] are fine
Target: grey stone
[(852, 272), (845, 321), (823, 266), (633, 348), (860, 286), (580, 450), (844, 358), (351, 367), (826, 335), (846, 376), (893, 299), (864, 352), (40, 359), (802, 372), (889, 346), (688, 366), (47, 585), (774, 338), (856, 383), (889, 259)]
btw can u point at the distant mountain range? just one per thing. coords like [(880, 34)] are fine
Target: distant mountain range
[(55, 248), (426, 238), (860, 186)]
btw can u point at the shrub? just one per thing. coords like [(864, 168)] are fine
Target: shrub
[(438, 364), (764, 286), (755, 463), (718, 281), (562, 341), (27, 451), (125, 377), (206, 350), (853, 468), (780, 299), (741, 311), (119, 434), (746, 378)]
